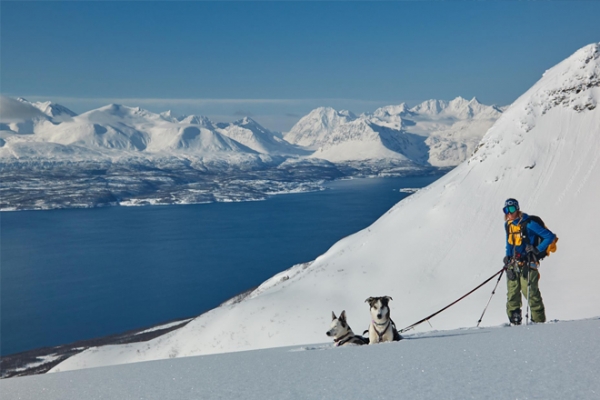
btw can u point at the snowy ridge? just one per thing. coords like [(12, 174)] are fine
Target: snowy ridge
[(440, 242)]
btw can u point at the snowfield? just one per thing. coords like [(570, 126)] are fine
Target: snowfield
[(550, 361), (436, 245)]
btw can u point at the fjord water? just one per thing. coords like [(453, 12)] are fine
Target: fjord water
[(69, 275)]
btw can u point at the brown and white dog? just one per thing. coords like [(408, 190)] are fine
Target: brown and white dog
[(342, 333), (382, 328)]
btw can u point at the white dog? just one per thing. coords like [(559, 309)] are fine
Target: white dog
[(342, 333), (382, 328)]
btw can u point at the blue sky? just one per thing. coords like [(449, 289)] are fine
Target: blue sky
[(276, 61)]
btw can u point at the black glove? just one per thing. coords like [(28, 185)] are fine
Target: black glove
[(511, 274), (506, 260), (529, 249)]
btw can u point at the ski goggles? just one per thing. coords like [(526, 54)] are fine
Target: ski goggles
[(509, 209)]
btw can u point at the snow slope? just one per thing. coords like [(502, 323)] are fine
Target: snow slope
[(251, 134), (314, 128), (439, 243), (551, 361), (363, 140)]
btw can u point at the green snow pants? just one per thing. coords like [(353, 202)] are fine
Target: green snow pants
[(518, 286)]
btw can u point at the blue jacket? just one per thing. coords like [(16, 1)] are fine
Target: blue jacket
[(533, 229)]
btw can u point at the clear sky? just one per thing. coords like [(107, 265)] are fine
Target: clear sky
[(276, 61)]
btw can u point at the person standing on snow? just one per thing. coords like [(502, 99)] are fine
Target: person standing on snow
[(522, 261)]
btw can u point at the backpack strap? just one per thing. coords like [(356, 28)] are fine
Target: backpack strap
[(524, 235)]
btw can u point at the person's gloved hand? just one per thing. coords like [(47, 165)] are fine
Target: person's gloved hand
[(529, 249), (506, 260), (511, 275)]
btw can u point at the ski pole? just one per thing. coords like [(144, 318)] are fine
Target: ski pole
[(490, 299), (528, 293)]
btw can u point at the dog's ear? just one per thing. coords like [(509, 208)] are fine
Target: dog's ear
[(388, 298), (333, 316), (369, 300), (343, 316)]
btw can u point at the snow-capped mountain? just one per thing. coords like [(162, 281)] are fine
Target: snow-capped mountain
[(453, 129), (315, 128), (115, 131), (56, 111), (439, 243), (362, 140), (392, 116), (435, 132), (458, 108), (253, 135), (390, 133), (18, 116)]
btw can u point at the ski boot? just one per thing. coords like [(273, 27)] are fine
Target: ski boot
[(515, 317)]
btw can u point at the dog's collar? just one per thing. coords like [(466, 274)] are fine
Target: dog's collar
[(380, 324), (339, 341)]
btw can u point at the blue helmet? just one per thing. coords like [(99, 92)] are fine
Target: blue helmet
[(513, 204)]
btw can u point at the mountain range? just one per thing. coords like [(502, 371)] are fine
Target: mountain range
[(47, 130), (52, 157)]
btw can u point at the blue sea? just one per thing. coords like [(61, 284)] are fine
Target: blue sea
[(69, 275)]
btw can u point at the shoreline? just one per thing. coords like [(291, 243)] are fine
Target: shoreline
[(308, 186), (43, 359)]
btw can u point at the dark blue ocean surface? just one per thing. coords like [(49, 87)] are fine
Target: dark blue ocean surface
[(69, 275)]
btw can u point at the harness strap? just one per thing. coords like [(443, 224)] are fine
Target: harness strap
[(340, 341), (380, 334)]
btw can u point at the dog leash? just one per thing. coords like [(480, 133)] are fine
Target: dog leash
[(451, 304)]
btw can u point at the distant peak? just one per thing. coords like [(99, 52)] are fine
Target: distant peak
[(330, 112), (111, 106), (245, 121), (459, 101)]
